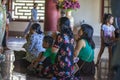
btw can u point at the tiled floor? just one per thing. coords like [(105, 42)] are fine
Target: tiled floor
[(16, 44)]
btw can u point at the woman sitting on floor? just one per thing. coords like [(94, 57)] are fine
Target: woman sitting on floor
[(84, 50), (33, 47), (63, 67)]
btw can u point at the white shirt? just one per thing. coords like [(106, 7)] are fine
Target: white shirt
[(108, 30)]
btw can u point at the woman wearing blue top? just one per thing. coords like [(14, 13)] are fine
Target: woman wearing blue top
[(36, 39), (33, 46), (84, 50)]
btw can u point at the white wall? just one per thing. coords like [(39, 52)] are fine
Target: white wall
[(89, 11)]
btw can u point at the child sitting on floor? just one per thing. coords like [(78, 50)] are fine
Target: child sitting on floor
[(45, 61)]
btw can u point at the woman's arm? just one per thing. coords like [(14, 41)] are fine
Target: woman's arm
[(114, 39), (78, 47), (32, 43)]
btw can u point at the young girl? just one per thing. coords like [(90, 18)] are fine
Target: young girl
[(107, 36)]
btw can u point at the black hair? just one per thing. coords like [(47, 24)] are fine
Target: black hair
[(88, 34), (106, 18), (65, 21), (37, 28), (35, 4), (65, 26), (49, 40)]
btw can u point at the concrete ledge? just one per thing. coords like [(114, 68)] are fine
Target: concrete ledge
[(20, 34), (16, 33)]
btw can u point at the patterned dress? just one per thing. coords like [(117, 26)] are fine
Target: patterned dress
[(64, 62)]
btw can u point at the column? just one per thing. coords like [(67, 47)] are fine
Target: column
[(51, 16)]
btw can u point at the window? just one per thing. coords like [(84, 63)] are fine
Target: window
[(106, 6), (21, 9)]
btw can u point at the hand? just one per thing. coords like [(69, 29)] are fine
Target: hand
[(35, 63), (76, 59), (32, 65)]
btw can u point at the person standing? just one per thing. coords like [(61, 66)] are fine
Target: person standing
[(4, 42), (3, 64), (33, 18), (107, 37)]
